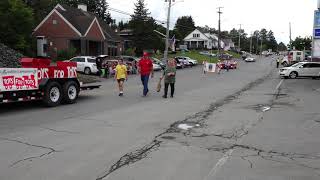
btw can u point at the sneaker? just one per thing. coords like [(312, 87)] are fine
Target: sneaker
[(121, 94), (164, 96), (171, 96)]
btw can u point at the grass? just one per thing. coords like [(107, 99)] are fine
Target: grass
[(200, 58)]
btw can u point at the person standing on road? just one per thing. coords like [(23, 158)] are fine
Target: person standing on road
[(227, 64), (121, 75), (278, 62), (169, 75), (145, 67)]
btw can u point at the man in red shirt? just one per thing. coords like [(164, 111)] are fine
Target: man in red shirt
[(145, 68)]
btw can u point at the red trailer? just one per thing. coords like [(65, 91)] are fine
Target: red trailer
[(38, 80)]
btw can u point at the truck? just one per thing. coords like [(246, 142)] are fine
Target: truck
[(37, 79), (293, 57)]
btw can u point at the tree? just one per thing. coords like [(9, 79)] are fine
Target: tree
[(302, 43), (16, 24), (142, 26), (184, 26), (282, 47)]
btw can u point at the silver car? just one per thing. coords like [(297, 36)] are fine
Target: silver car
[(86, 64)]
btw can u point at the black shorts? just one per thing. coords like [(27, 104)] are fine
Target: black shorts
[(121, 80)]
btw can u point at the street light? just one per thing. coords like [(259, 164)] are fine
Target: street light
[(168, 26)]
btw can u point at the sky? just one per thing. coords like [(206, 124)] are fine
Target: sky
[(273, 15)]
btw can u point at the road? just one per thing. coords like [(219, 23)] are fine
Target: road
[(243, 124)]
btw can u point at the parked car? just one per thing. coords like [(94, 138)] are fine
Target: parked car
[(207, 53), (225, 56), (158, 62), (191, 62), (250, 59), (233, 64), (85, 64), (185, 62), (179, 64), (301, 69), (129, 58), (156, 67)]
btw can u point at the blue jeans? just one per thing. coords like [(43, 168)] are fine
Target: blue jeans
[(145, 80)]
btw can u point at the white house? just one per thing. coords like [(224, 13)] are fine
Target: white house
[(200, 40)]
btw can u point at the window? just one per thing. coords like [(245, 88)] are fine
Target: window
[(307, 65), (299, 53), (196, 35), (54, 22), (91, 60), (314, 65), (78, 60)]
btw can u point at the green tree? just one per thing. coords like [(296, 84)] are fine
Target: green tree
[(184, 26), (302, 43), (16, 24), (282, 47), (143, 27)]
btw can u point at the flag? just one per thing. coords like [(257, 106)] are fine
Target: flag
[(173, 43)]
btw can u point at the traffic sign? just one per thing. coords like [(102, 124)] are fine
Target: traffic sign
[(317, 33)]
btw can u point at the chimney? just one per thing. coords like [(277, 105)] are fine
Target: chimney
[(83, 7)]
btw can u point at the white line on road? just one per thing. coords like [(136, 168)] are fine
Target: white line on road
[(279, 85), (228, 154)]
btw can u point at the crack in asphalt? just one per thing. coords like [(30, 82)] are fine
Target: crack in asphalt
[(199, 118), (132, 157), (235, 134), (269, 155), (50, 150)]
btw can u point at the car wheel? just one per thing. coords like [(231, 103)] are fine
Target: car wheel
[(87, 71), (293, 75)]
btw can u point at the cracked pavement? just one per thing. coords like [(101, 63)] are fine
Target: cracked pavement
[(106, 137)]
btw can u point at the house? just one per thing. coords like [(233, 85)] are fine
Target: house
[(228, 44), (126, 35), (67, 27), (200, 40)]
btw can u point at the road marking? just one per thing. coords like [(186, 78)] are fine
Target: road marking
[(219, 164), (279, 85), (228, 154)]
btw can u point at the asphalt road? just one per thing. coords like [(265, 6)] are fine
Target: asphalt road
[(243, 124)]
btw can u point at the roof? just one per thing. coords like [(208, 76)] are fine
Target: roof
[(82, 20)]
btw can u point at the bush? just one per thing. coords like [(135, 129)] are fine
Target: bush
[(66, 54)]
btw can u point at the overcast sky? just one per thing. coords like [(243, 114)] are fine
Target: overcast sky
[(252, 14)]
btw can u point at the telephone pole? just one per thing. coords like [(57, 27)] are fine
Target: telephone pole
[(219, 31), (251, 43), (239, 43), (290, 36), (257, 44), (168, 30)]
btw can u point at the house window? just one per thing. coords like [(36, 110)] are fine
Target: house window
[(54, 22), (196, 35)]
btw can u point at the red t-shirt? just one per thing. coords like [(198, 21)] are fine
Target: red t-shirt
[(146, 66)]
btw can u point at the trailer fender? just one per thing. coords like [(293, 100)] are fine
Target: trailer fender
[(43, 83)]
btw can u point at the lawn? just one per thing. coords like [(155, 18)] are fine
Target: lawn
[(197, 56)]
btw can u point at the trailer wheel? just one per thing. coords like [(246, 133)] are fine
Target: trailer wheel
[(70, 92), (52, 94)]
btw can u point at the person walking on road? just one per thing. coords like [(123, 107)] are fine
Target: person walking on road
[(145, 67), (278, 62), (121, 75), (169, 75)]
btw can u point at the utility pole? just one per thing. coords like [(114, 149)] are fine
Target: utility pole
[(257, 44), (168, 30), (290, 35), (239, 43), (251, 43), (219, 36), (261, 47)]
